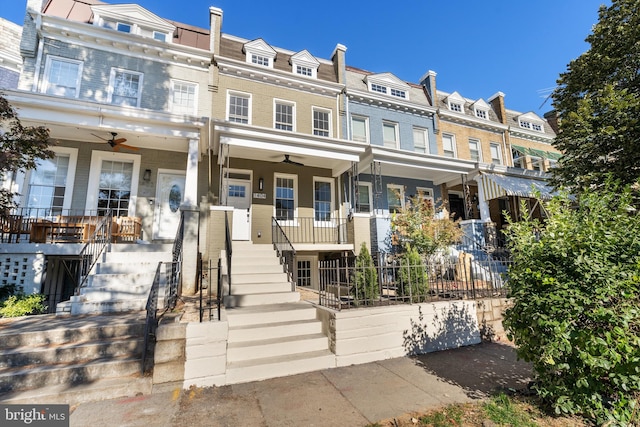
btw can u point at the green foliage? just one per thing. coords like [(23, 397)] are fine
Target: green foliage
[(365, 287), (576, 304), (598, 104), (448, 416), (414, 280), (418, 224), (22, 305), (20, 147), (503, 411)]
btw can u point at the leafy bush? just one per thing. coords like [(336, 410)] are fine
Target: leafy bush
[(414, 280), (365, 287), (576, 304), (22, 305)]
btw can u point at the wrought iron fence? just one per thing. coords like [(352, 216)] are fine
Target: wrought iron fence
[(285, 251), (390, 279), (210, 274)]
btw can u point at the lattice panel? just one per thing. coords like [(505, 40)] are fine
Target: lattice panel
[(21, 270)]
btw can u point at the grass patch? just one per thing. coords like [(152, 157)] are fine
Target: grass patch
[(502, 410), (449, 416)]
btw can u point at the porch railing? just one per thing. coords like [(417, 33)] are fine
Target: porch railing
[(310, 230), (94, 248), (210, 273), (228, 248), (391, 280), (285, 251)]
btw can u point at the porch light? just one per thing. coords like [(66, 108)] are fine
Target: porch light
[(147, 175), (260, 184)]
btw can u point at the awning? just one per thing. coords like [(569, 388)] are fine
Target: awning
[(528, 151), (495, 186)]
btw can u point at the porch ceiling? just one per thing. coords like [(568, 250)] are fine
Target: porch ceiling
[(271, 146), (428, 167)]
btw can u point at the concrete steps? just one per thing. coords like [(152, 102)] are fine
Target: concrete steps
[(120, 281), (71, 360)]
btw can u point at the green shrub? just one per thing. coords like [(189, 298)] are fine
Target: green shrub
[(22, 305), (414, 280), (364, 288), (576, 304)]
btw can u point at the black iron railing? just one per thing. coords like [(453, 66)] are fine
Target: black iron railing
[(312, 231), (94, 248), (210, 274), (390, 279), (228, 248), (151, 323), (285, 250)]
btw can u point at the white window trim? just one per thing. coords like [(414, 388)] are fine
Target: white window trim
[(112, 78), (371, 209), (231, 93), (484, 111), (330, 120), (402, 195), (426, 193), (47, 67), (133, 28), (95, 168), (166, 36), (458, 104), (296, 198), (453, 143), (498, 150), (195, 95), (277, 101), (426, 139), (24, 178), (396, 133), (479, 149), (330, 181), (366, 127)]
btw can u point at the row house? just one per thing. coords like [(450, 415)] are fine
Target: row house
[(246, 143)]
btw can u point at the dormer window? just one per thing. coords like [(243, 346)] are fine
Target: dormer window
[(123, 28), (304, 64), (481, 114), (387, 84), (260, 53), (160, 36), (536, 126), (530, 121), (455, 106), (481, 109), (132, 19)]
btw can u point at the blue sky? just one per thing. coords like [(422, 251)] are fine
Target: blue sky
[(476, 48)]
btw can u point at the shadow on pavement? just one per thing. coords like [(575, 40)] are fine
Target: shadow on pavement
[(481, 370)]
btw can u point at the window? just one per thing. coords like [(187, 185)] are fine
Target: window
[(481, 114), (518, 158), (426, 195), (363, 201), (454, 106), (284, 116), (449, 145), (260, 60), (536, 126), (536, 163), (160, 36), (398, 93), (322, 198), (395, 197), (260, 53), (496, 153), (378, 88), (183, 97), (360, 128), (474, 150), (238, 108), (304, 71), (47, 184), (525, 124), (390, 134), (304, 272), (62, 77), (420, 140), (321, 122), (125, 87), (124, 28), (285, 197), (114, 190)]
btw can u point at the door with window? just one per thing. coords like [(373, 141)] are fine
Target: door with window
[(238, 193), (169, 197)]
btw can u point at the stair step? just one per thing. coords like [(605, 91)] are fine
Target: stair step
[(72, 395), (270, 313), (136, 257), (281, 346), (126, 267), (274, 330), (105, 307), (137, 247), (262, 277), (256, 262), (77, 373), (260, 299), (260, 288), (264, 269), (120, 280), (280, 366), (55, 354)]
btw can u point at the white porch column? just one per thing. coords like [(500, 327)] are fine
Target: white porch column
[(191, 214), (483, 204)]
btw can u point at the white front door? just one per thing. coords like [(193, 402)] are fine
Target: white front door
[(169, 197), (239, 196)]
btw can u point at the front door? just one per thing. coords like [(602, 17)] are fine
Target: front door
[(239, 196), (169, 197)]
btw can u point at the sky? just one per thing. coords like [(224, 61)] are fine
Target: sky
[(477, 48)]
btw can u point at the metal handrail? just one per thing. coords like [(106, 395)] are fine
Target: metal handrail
[(313, 231), (228, 248), (151, 322), (94, 248), (285, 250)]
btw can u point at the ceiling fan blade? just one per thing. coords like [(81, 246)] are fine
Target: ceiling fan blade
[(126, 146), (119, 140), (291, 162)]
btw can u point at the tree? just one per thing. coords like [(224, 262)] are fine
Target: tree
[(20, 148), (575, 288), (598, 104), (365, 289)]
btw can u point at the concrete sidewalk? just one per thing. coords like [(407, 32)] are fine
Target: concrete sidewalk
[(350, 396)]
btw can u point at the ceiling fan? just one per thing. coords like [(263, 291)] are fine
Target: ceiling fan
[(116, 143), (291, 162)]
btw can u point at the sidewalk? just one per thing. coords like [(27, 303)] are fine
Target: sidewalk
[(350, 396)]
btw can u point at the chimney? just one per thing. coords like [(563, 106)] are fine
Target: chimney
[(553, 120), (428, 82), (32, 19), (497, 102), (338, 57), (215, 24)]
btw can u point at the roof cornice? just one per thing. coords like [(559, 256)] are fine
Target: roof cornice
[(471, 121), (386, 101)]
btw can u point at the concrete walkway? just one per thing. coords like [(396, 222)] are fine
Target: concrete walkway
[(350, 396)]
